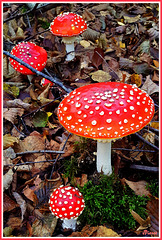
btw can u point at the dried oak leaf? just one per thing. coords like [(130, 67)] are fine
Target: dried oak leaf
[(12, 113), (138, 187)]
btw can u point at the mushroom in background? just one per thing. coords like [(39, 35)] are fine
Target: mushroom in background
[(105, 111), (45, 81), (68, 25), (67, 203), (30, 53)]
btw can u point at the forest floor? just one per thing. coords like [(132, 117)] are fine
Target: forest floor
[(121, 44)]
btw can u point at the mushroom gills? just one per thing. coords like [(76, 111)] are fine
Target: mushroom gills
[(104, 157)]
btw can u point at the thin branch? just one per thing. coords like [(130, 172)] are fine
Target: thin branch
[(147, 142), (115, 74), (144, 168), (59, 156), (40, 151), (54, 80), (28, 163), (20, 15), (133, 150)]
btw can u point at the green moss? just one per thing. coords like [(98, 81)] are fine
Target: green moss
[(153, 187), (109, 202)]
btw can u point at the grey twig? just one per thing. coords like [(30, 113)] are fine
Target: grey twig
[(28, 163), (54, 80), (144, 168), (40, 151), (59, 156), (147, 142), (133, 150)]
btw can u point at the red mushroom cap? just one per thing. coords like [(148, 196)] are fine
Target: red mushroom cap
[(68, 25), (106, 110), (45, 81), (30, 53), (66, 202)]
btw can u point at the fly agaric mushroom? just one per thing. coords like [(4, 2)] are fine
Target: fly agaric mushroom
[(67, 203), (45, 81), (68, 25), (105, 111), (30, 53)]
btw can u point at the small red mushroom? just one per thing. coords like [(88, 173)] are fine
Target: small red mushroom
[(68, 25), (45, 81), (105, 111), (30, 53), (67, 203)]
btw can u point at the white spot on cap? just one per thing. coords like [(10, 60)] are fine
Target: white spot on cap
[(115, 90), (125, 120), (69, 118), (109, 120), (131, 108), (86, 106), (77, 105), (118, 112), (94, 122), (121, 103), (108, 104), (102, 113)]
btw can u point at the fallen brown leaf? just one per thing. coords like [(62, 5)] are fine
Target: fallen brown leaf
[(144, 224), (106, 232), (8, 203), (45, 229), (29, 193), (9, 141), (18, 103), (7, 179), (14, 222), (149, 86), (100, 76), (21, 202), (138, 187)]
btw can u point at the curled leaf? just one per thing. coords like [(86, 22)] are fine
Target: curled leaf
[(7, 179)]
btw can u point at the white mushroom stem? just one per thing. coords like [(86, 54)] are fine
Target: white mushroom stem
[(104, 157), (69, 43), (69, 224)]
